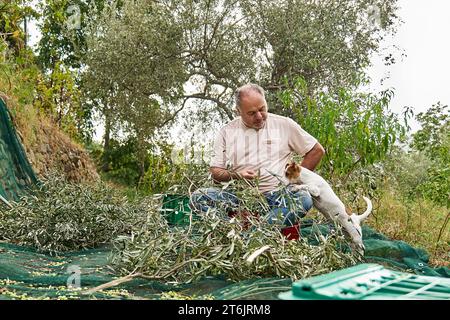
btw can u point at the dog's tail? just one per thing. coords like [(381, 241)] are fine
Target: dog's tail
[(366, 213)]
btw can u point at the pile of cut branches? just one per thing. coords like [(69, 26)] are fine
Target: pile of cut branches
[(63, 216), (215, 245), (243, 247)]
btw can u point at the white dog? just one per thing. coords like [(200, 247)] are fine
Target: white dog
[(326, 201)]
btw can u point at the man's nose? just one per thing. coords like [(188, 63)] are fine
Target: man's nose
[(258, 115)]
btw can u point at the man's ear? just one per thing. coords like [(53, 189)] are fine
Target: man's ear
[(237, 111)]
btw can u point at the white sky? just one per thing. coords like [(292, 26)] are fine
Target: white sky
[(421, 78)]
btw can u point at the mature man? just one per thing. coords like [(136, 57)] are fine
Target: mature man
[(259, 144)]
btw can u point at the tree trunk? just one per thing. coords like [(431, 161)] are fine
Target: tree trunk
[(106, 141), (141, 158), (25, 30)]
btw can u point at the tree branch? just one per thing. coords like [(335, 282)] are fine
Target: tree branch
[(175, 113), (219, 103)]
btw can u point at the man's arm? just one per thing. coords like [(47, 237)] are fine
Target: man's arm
[(222, 175), (313, 157)]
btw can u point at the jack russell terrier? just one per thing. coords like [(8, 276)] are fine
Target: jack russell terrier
[(326, 201)]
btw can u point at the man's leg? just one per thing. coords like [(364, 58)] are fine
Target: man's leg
[(287, 206), (206, 198)]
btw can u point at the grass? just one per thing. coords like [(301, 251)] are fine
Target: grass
[(419, 222), (17, 89)]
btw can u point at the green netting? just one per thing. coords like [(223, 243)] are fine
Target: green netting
[(16, 173), (25, 273)]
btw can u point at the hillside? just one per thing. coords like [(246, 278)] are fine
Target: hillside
[(48, 148)]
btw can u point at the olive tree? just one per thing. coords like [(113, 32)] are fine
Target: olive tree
[(224, 43), (147, 59), (134, 68)]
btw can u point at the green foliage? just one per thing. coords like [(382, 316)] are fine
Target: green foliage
[(172, 170), (356, 129), (434, 141), (161, 172), (434, 136), (424, 171), (12, 15), (134, 71), (60, 53), (123, 162), (407, 171), (63, 216), (55, 92), (18, 76), (143, 45), (166, 168), (58, 96), (63, 28), (54, 45), (437, 187), (328, 43), (18, 71)]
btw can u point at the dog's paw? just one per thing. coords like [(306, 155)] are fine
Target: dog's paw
[(300, 187), (314, 191)]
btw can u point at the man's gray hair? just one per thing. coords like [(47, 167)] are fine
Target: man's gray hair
[(245, 89)]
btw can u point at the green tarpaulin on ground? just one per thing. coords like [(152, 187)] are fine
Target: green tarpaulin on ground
[(16, 173), (25, 273)]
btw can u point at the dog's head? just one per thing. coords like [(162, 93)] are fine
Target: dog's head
[(357, 220), (292, 170)]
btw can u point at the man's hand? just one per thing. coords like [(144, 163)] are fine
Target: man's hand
[(221, 175), (248, 174)]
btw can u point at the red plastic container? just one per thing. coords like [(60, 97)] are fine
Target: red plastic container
[(291, 233)]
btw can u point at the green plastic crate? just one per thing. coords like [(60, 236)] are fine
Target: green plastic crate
[(176, 209), (369, 282)]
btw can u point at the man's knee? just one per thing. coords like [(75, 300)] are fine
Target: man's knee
[(200, 193), (306, 200), (204, 198), (201, 198), (302, 198)]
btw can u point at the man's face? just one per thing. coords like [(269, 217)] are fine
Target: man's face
[(253, 110)]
